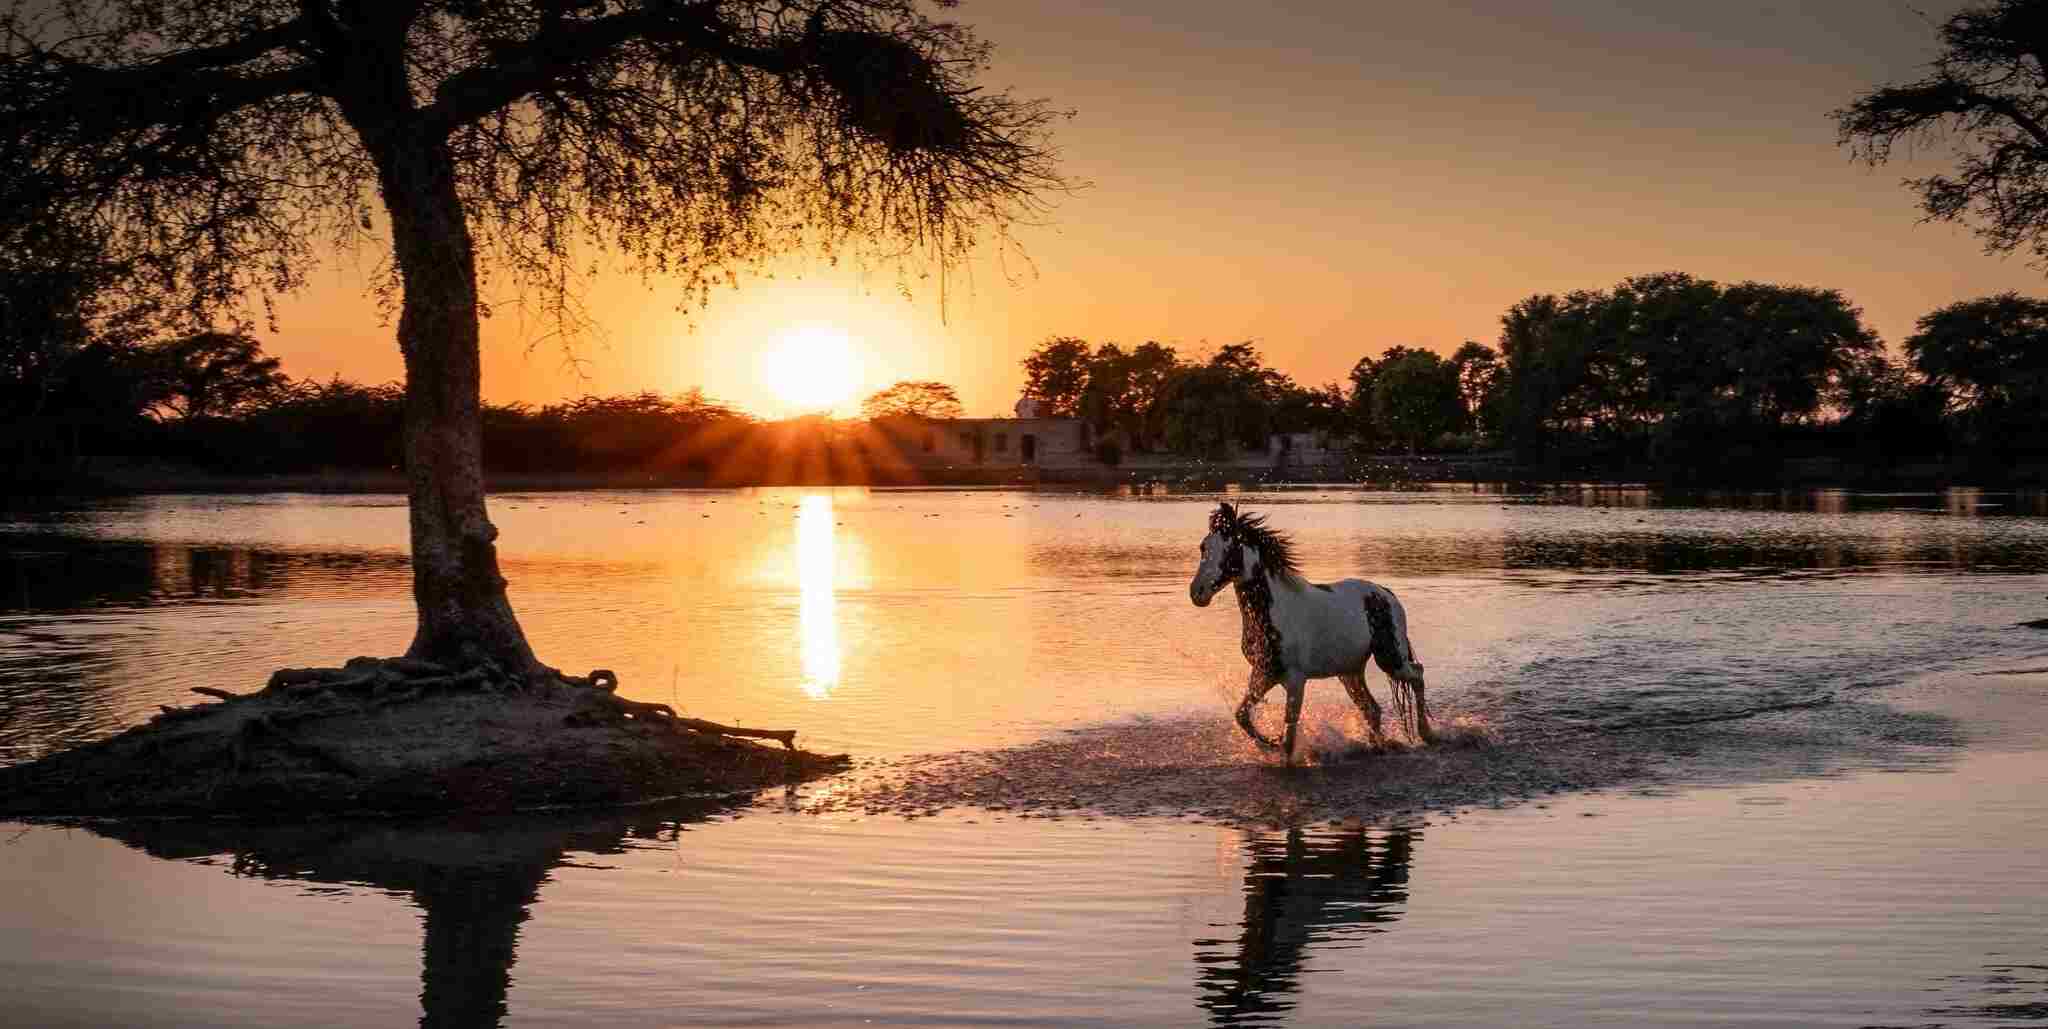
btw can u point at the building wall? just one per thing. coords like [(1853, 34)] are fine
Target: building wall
[(1065, 443), (990, 442)]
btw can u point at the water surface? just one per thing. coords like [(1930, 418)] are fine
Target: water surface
[(1872, 861)]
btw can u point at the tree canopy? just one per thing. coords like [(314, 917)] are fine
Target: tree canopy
[(1985, 98), (1056, 373), (1989, 357), (224, 145), (216, 151), (213, 373), (1667, 360), (912, 399), (1415, 398)]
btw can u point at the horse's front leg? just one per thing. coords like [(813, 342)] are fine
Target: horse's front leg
[(1297, 687), (1254, 691)]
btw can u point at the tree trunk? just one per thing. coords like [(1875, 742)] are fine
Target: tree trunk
[(464, 615)]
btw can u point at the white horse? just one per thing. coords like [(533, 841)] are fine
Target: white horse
[(1296, 630)]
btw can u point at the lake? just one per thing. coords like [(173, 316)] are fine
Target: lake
[(1770, 758)]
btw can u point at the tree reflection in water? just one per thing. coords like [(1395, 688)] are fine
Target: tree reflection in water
[(1320, 888), (475, 883)]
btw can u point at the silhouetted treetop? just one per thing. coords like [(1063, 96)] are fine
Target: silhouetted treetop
[(913, 399), (1990, 353), (213, 373), (227, 141), (1056, 373), (1986, 98)]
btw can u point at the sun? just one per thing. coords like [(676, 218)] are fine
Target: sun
[(811, 368)]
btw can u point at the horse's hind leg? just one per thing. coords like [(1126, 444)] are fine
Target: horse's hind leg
[(1361, 694), (1409, 677), (1254, 691), (1422, 729), (1395, 655)]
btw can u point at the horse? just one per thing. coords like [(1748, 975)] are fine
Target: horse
[(1296, 630)]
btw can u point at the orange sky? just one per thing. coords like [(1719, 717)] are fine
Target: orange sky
[(1329, 179)]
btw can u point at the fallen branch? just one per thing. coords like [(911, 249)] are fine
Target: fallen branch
[(208, 691), (606, 682), (285, 678), (169, 713), (786, 736)]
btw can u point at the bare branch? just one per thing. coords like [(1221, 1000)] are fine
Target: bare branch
[(560, 50)]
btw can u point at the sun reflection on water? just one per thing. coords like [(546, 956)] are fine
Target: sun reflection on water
[(817, 617)]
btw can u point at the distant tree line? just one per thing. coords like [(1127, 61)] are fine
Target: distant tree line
[(1149, 398), (214, 400), (1663, 370)]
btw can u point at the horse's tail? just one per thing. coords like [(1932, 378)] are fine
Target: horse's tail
[(1390, 647)]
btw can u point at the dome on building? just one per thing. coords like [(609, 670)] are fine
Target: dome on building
[(1030, 407)]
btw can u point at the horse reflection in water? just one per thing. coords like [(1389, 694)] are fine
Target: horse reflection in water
[(474, 883), (1303, 889)]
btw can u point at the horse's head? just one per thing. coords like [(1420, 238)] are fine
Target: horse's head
[(1222, 556)]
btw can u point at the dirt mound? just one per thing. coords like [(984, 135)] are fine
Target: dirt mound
[(399, 736)]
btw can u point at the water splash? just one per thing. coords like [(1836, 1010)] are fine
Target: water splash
[(1201, 766)]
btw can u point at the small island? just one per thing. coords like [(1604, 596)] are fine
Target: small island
[(406, 736)]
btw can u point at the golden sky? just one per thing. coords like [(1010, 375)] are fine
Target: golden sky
[(1329, 179)]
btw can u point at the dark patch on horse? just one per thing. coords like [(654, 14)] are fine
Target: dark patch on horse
[(1255, 592), (1261, 636), (1386, 648)]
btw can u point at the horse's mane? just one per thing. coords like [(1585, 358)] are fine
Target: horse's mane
[(1275, 550)]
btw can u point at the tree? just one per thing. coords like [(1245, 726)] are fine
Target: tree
[(1123, 387), (209, 374), (1887, 409), (49, 281), (1363, 376), (69, 366), (1674, 364), (219, 143), (1986, 98), (1227, 401), (1989, 356), (1415, 398), (1298, 408), (1786, 348), (1480, 387), (909, 399), (1056, 374)]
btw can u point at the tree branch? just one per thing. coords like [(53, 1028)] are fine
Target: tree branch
[(533, 65), (141, 100), (175, 63), (172, 89), (2012, 113)]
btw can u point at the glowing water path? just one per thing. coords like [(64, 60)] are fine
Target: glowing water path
[(817, 615)]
